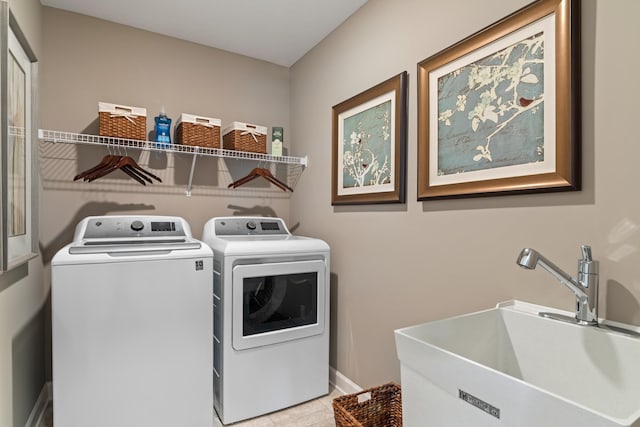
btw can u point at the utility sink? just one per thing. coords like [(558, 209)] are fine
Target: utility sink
[(508, 366)]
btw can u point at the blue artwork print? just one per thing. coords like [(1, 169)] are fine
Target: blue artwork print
[(367, 147), (490, 112)]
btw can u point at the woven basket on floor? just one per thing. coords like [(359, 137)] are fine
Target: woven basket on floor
[(383, 409)]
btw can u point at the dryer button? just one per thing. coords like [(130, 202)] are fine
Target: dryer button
[(251, 225), (137, 225)]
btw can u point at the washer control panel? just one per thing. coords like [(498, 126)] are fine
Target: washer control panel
[(128, 227), (250, 226)]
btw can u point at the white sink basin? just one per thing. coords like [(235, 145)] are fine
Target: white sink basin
[(508, 366)]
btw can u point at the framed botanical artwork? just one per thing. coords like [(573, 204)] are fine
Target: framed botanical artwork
[(499, 112), (18, 74), (369, 144)]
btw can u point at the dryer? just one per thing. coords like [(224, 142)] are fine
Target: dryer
[(132, 325), (271, 316)]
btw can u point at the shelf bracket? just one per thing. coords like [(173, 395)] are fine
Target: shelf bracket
[(193, 167)]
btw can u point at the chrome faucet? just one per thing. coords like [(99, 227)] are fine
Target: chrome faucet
[(585, 287)]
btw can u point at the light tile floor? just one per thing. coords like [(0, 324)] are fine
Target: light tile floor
[(315, 413)]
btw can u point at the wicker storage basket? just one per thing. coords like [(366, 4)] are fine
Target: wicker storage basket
[(198, 131), (245, 137), (121, 121), (383, 409)]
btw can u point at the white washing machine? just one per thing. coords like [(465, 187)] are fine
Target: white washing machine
[(132, 325), (271, 316)]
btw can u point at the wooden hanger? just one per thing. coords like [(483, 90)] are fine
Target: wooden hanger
[(249, 177), (264, 173), (110, 163), (269, 177), (128, 163), (104, 163)]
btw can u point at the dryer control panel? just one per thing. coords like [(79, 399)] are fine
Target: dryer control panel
[(250, 226)]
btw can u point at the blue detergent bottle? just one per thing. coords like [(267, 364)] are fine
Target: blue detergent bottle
[(163, 129)]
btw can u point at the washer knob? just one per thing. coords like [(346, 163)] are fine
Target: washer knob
[(251, 225), (137, 225)]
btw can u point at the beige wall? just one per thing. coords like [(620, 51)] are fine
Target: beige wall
[(399, 265), (22, 294), (90, 60)]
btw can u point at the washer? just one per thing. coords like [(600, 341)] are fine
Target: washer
[(271, 316), (132, 325)]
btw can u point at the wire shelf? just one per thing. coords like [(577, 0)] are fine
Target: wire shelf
[(294, 165), (79, 138)]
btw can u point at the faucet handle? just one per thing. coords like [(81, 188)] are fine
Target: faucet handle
[(586, 265)]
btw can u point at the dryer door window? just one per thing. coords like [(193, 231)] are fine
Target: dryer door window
[(277, 302)]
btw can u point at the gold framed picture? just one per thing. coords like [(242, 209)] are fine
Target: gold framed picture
[(369, 145), (499, 112)]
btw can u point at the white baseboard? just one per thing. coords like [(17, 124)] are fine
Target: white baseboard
[(342, 383), (40, 406)]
